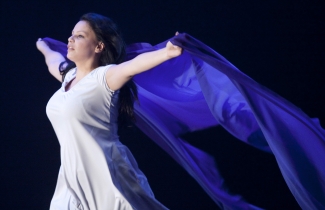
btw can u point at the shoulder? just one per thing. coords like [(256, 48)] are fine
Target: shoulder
[(100, 75), (101, 71)]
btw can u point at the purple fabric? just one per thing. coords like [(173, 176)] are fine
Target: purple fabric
[(200, 89), (57, 46)]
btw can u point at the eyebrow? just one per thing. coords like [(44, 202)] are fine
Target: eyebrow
[(81, 31)]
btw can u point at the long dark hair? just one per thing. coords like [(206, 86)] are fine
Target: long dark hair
[(113, 53)]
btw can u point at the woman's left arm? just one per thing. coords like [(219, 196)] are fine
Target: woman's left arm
[(118, 75)]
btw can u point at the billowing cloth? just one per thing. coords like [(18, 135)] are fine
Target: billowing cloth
[(200, 89)]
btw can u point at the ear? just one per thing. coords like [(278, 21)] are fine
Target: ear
[(100, 47)]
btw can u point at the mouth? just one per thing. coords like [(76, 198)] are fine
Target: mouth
[(70, 48)]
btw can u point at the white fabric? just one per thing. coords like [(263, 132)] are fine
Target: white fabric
[(85, 121)]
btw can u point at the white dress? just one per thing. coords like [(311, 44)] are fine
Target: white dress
[(97, 172)]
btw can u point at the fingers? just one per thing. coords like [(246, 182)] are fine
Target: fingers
[(175, 46), (41, 44), (41, 41), (176, 33), (170, 44)]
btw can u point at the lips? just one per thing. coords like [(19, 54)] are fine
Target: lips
[(70, 47)]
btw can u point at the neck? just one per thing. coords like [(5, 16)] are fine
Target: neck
[(83, 69)]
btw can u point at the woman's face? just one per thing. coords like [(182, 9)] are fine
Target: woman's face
[(82, 44)]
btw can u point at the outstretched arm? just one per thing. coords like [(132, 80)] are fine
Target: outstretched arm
[(52, 58), (118, 75)]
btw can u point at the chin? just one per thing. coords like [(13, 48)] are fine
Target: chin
[(70, 57)]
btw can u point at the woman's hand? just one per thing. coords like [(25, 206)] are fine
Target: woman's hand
[(52, 58), (41, 45), (173, 50)]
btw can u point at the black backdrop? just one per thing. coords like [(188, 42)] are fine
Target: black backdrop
[(278, 43)]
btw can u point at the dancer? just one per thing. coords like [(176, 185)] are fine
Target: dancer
[(97, 171), (209, 91)]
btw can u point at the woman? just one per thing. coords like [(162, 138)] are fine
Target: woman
[(97, 171), (201, 79)]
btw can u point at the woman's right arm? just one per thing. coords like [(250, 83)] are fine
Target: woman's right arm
[(52, 58)]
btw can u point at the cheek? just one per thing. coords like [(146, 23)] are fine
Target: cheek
[(84, 47), (82, 50)]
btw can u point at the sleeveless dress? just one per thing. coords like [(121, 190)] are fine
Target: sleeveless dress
[(97, 172)]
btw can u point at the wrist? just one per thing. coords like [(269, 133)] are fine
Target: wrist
[(42, 46), (45, 49)]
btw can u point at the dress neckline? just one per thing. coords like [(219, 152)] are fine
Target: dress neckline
[(72, 77)]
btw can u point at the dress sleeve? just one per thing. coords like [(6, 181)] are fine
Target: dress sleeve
[(100, 73)]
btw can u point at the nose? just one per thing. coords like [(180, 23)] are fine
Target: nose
[(70, 39)]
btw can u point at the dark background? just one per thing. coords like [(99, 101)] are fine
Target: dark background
[(280, 44)]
